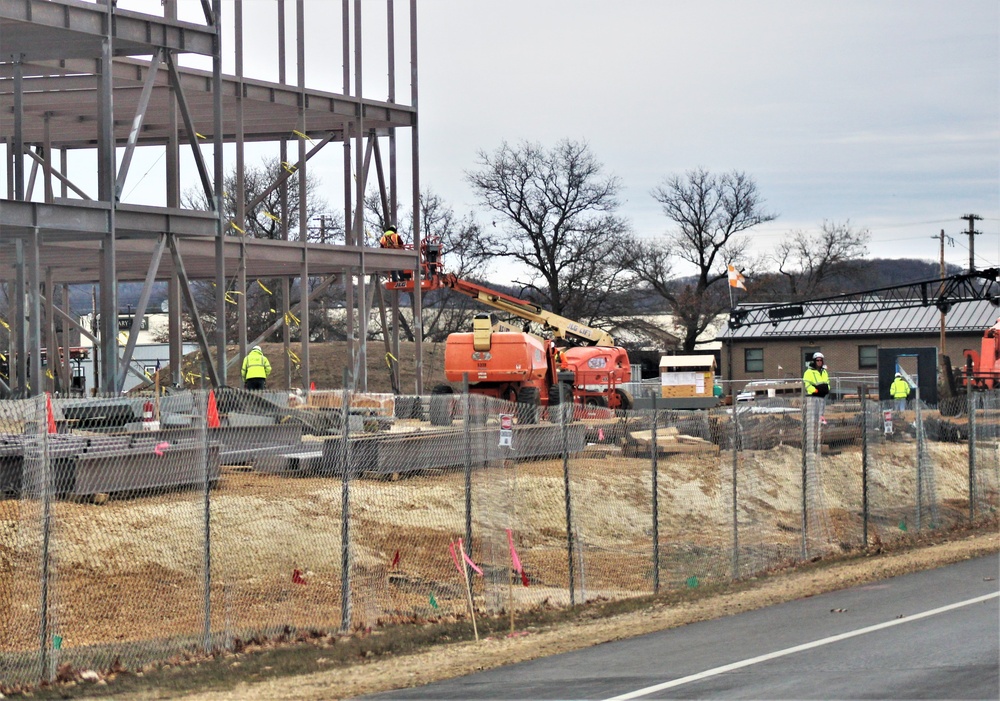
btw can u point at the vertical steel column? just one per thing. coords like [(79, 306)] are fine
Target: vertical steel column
[(286, 333), (17, 151), (304, 316), (67, 345), (303, 201), (106, 193), (219, 196), (173, 198), (47, 158), (361, 177), (51, 344), (418, 325), (349, 238), (241, 195), (34, 334), (19, 330)]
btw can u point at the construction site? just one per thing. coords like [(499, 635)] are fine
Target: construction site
[(193, 516)]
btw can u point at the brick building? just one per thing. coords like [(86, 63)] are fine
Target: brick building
[(850, 343)]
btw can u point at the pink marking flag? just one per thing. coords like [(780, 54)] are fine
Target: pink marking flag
[(161, 448), (472, 564), (515, 559), (454, 557)]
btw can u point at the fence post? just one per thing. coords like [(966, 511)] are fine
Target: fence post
[(201, 419), (864, 464), (467, 430), (918, 429), (736, 461), (565, 396), (656, 502), (805, 452), (345, 504), (970, 401), (42, 429)]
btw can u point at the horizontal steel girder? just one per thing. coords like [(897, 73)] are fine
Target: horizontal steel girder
[(47, 29), (270, 110)]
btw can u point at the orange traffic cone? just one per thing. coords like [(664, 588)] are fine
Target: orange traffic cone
[(213, 410), (312, 386), (49, 417)]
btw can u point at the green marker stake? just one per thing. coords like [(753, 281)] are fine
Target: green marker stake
[(57, 642), (902, 525), (692, 582), (434, 603)]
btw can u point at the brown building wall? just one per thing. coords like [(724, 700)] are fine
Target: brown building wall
[(785, 358)]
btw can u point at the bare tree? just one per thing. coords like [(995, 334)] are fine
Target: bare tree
[(264, 221), (809, 262), (710, 212), (556, 225)]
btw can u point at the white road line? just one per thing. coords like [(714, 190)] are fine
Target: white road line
[(798, 648)]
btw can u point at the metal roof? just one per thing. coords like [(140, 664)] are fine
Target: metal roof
[(687, 361), (969, 317)]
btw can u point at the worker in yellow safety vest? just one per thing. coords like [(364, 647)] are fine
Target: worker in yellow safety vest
[(816, 379), (256, 368), (899, 390)]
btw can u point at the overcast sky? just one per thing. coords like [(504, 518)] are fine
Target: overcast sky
[(883, 113)]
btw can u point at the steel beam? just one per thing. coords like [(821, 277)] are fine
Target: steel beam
[(61, 178), (140, 309), (77, 28), (192, 134), (140, 116), (199, 330)]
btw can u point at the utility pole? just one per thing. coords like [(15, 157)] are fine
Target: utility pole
[(971, 218), (951, 242)]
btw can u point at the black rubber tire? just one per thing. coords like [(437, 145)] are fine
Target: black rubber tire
[(527, 405), (441, 405), (627, 402), (599, 402), (554, 404)]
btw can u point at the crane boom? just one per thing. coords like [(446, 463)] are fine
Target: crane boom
[(942, 293), (433, 277)]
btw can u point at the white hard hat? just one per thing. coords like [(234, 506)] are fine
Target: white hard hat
[(257, 348), (817, 356), (899, 374)]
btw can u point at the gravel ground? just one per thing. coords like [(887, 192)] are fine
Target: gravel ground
[(442, 662)]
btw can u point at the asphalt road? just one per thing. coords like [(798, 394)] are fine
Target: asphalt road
[(929, 635)]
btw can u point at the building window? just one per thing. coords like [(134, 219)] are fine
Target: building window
[(867, 356), (807, 356), (753, 359)]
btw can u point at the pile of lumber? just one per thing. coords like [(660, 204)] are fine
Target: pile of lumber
[(668, 440)]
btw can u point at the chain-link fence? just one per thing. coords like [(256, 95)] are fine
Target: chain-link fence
[(141, 529)]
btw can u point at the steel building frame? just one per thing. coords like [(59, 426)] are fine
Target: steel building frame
[(86, 75)]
